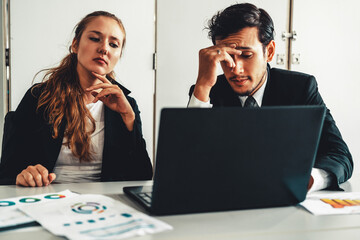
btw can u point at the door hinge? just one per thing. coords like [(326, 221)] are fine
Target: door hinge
[(288, 35), (154, 61), (7, 57)]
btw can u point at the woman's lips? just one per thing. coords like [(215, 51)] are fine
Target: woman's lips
[(100, 60)]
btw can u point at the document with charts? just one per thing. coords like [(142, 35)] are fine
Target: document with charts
[(333, 203), (10, 215), (92, 216)]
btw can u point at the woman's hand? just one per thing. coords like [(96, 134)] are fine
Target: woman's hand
[(35, 176), (113, 97)]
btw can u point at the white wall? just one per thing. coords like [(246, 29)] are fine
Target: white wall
[(42, 31), (329, 47)]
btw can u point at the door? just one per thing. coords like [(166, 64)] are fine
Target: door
[(328, 47)]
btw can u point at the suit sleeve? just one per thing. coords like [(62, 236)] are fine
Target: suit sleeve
[(133, 162), (333, 154), (18, 137), (139, 152)]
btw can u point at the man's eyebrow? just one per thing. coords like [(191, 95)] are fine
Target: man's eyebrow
[(99, 33), (244, 48)]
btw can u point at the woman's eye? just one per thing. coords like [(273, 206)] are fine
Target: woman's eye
[(114, 45), (94, 39)]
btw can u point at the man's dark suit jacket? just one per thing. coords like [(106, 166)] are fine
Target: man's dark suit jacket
[(28, 141), (285, 88)]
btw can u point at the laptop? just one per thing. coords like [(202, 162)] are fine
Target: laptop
[(231, 158)]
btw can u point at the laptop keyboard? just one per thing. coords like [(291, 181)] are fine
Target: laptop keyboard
[(145, 197)]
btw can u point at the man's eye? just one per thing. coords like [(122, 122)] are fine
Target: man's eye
[(114, 45), (94, 39), (247, 55)]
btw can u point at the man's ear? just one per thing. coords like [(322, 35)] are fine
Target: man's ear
[(270, 51), (74, 46)]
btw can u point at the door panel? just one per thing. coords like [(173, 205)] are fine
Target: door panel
[(328, 46)]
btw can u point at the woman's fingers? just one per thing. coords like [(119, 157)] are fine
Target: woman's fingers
[(29, 179), (34, 176), (40, 175), (106, 88), (99, 86), (113, 97), (101, 77), (52, 177), (108, 91), (20, 180)]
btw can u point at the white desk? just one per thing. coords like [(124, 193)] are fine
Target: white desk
[(273, 223)]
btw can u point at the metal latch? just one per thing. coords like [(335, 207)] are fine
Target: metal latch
[(288, 35)]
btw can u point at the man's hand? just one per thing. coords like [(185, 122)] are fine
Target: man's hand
[(208, 60), (311, 182), (35, 176)]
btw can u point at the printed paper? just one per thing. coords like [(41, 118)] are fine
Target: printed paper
[(333, 203), (92, 216), (10, 215)]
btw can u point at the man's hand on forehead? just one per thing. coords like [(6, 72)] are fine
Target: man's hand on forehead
[(208, 60), (225, 52)]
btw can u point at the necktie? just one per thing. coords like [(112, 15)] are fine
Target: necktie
[(250, 102)]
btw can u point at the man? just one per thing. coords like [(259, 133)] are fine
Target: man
[(243, 38)]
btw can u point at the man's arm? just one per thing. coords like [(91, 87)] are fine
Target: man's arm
[(196, 103), (319, 180), (333, 154)]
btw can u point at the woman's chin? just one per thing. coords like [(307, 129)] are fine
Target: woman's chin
[(98, 71)]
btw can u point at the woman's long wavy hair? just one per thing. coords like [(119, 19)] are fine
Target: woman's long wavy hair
[(63, 98)]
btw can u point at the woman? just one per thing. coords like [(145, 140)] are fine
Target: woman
[(78, 125)]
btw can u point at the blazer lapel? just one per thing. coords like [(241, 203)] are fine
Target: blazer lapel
[(270, 93)]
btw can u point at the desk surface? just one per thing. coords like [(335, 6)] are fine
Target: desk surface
[(271, 223)]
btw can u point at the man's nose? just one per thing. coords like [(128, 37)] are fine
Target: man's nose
[(239, 65)]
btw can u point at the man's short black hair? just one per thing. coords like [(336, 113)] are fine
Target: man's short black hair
[(239, 16)]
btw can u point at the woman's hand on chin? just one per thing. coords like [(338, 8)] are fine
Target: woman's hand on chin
[(113, 97)]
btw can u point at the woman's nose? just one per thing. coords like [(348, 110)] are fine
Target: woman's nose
[(103, 48)]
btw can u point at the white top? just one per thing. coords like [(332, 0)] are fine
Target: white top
[(321, 177), (68, 168)]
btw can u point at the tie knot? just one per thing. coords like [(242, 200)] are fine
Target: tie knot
[(250, 102)]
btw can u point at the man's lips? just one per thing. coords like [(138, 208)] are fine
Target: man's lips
[(100, 60), (239, 80)]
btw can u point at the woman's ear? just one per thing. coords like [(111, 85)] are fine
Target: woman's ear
[(74, 46), (270, 50)]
